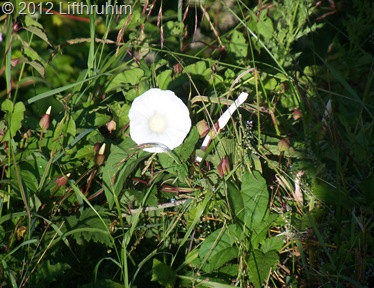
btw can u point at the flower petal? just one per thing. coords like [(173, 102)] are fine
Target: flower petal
[(165, 105)]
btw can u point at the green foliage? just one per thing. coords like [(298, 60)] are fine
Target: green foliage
[(14, 115), (218, 249), (294, 206), (89, 227), (163, 274)]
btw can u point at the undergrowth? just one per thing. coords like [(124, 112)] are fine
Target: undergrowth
[(283, 195)]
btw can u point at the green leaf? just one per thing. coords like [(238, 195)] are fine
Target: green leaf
[(120, 113), (38, 32), (29, 21), (174, 28), (164, 79), (101, 119), (38, 67), (271, 244), (115, 172), (7, 106), (163, 274), (236, 202), (103, 283), (197, 68), (181, 154), (81, 227), (14, 117), (217, 249), (31, 54), (71, 128), (132, 77), (238, 45), (49, 272), (255, 197), (265, 27), (259, 265)]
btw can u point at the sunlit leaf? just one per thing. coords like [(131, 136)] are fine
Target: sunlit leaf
[(217, 249), (255, 197)]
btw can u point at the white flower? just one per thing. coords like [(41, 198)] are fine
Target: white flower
[(159, 118)]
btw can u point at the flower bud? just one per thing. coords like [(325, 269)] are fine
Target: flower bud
[(224, 167), (14, 62), (46, 119), (100, 157), (62, 179), (297, 114), (15, 27), (203, 128), (111, 125), (27, 134), (284, 145)]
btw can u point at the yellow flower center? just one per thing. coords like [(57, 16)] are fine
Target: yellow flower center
[(157, 123)]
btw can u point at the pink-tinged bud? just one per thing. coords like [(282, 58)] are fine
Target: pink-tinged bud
[(62, 180), (297, 114), (224, 167), (178, 68), (111, 125), (27, 134), (100, 157), (203, 128), (284, 145), (46, 119), (14, 62), (15, 27)]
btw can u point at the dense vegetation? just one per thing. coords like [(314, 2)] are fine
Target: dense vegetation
[(283, 196)]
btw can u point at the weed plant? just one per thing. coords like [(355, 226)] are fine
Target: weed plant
[(283, 196)]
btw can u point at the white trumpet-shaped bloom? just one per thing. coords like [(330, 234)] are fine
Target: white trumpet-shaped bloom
[(159, 120)]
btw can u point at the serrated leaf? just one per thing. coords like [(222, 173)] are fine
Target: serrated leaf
[(89, 227), (163, 274)]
